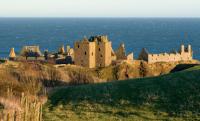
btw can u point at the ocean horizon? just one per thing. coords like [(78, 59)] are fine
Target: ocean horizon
[(158, 35)]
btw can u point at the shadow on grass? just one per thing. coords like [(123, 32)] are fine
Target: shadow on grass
[(182, 67)]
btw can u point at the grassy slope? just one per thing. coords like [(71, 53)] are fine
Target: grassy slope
[(169, 97), (193, 68)]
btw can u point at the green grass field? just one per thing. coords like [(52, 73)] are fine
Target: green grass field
[(193, 68), (172, 97)]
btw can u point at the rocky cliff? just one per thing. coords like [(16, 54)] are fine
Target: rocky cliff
[(141, 69), (51, 75)]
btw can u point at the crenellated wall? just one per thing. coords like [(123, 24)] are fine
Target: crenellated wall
[(184, 54)]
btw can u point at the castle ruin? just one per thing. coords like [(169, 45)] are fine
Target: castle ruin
[(31, 51), (93, 52), (121, 54), (97, 52), (184, 54)]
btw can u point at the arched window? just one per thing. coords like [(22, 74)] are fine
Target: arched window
[(99, 49), (85, 53), (78, 46), (92, 53)]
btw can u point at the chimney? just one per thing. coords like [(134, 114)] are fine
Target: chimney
[(189, 48), (182, 48)]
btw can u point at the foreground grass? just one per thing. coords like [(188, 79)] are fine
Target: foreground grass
[(169, 97)]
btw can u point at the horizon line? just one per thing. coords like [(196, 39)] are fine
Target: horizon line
[(99, 17)]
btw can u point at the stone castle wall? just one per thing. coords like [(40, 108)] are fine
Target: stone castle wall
[(185, 54)]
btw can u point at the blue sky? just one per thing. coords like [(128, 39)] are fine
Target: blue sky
[(99, 8)]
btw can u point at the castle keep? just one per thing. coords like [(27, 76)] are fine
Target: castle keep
[(184, 54), (97, 52), (93, 52)]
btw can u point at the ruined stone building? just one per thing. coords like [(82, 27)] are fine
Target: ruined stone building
[(93, 52), (121, 54), (184, 54), (97, 52), (31, 51), (70, 51), (61, 50), (65, 57)]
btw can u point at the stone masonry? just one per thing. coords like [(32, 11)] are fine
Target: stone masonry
[(93, 52), (184, 54)]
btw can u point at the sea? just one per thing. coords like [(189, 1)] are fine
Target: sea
[(157, 35)]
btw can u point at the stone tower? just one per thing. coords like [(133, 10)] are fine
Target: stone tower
[(93, 52), (61, 50), (121, 52), (84, 53), (12, 54), (103, 50)]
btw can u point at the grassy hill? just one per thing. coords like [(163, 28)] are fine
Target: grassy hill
[(170, 97), (193, 68)]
